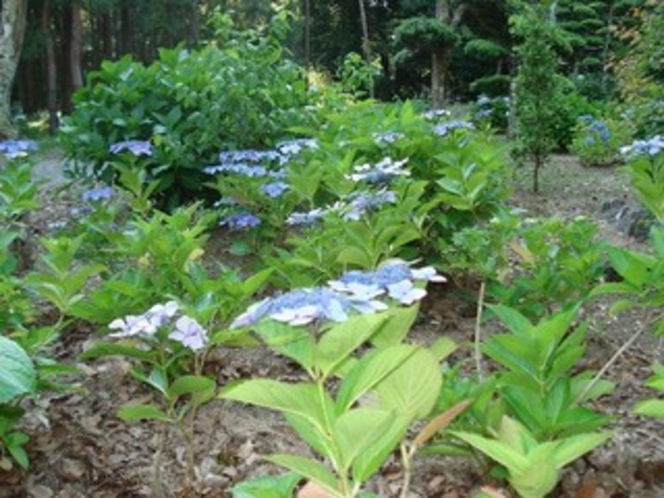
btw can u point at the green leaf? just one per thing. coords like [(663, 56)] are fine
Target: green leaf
[(571, 448), (311, 469), (413, 388), (496, 450), (281, 486), (190, 384), (17, 373), (116, 349), (302, 399), (369, 371), (339, 342), (517, 323), (142, 412), (357, 429), (294, 342), (396, 327), (650, 408)]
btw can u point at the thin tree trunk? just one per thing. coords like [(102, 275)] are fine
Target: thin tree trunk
[(51, 68), (75, 48), (12, 28), (195, 23), (307, 34), (366, 46), (440, 59)]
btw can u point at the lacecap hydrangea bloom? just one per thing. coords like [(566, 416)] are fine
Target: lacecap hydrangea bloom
[(17, 148), (135, 147), (240, 221), (651, 147), (354, 292), (382, 172), (187, 331)]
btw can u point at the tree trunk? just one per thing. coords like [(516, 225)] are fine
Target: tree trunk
[(440, 60), (75, 47), (51, 72), (12, 29), (195, 24), (366, 47)]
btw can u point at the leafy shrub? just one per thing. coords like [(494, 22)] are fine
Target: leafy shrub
[(189, 105), (597, 141), (491, 112)]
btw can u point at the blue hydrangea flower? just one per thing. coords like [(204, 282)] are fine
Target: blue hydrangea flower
[(405, 292), (651, 147), (483, 113), (308, 218), (436, 114), (362, 202), (387, 138), (17, 148), (274, 189), (135, 147), (291, 148), (189, 333), (240, 221), (237, 168), (483, 100), (303, 306), (588, 141), (443, 129), (382, 172), (161, 314), (132, 326), (248, 156), (98, 194)]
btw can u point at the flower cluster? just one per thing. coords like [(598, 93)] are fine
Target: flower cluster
[(186, 331), (651, 147), (380, 173), (98, 194), (435, 114), (17, 148), (355, 291), (387, 138), (307, 218), (250, 171), (291, 148), (240, 221), (443, 129), (274, 189), (135, 147), (359, 203)]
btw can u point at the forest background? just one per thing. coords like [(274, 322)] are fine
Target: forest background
[(439, 49)]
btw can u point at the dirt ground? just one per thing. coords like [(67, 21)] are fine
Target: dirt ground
[(80, 449)]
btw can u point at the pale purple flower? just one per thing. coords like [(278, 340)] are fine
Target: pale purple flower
[(132, 326), (435, 114), (248, 156), (161, 314), (240, 221), (405, 292), (98, 194), (294, 147), (427, 273), (362, 202), (444, 129), (274, 189), (189, 333), (17, 148), (651, 147), (308, 218), (387, 138), (382, 172), (249, 171), (136, 147)]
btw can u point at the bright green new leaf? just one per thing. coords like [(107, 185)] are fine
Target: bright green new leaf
[(650, 408), (396, 327), (190, 384), (311, 469), (571, 448), (17, 373), (413, 388), (293, 342), (301, 399), (512, 459), (339, 342), (357, 429)]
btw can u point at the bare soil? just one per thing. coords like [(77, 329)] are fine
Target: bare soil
[(80, 449)]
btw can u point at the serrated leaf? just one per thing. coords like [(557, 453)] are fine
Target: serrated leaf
[(357, 429), (17, 373), (339, 342)]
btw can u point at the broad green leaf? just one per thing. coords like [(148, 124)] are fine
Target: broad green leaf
[(302, 399), (498, 451), (442, 348), (369, 371), (293, 342), (312, 435), (357, 429), (17, 373), (281, 486), (515, 321), (190, 384), (413, 387), (396, 327), (311, 469), (142, 412), (375, 455), (339, 342), (571, 448)]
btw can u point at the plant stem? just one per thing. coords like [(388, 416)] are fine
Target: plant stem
[(406, 458), (478, 331)]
